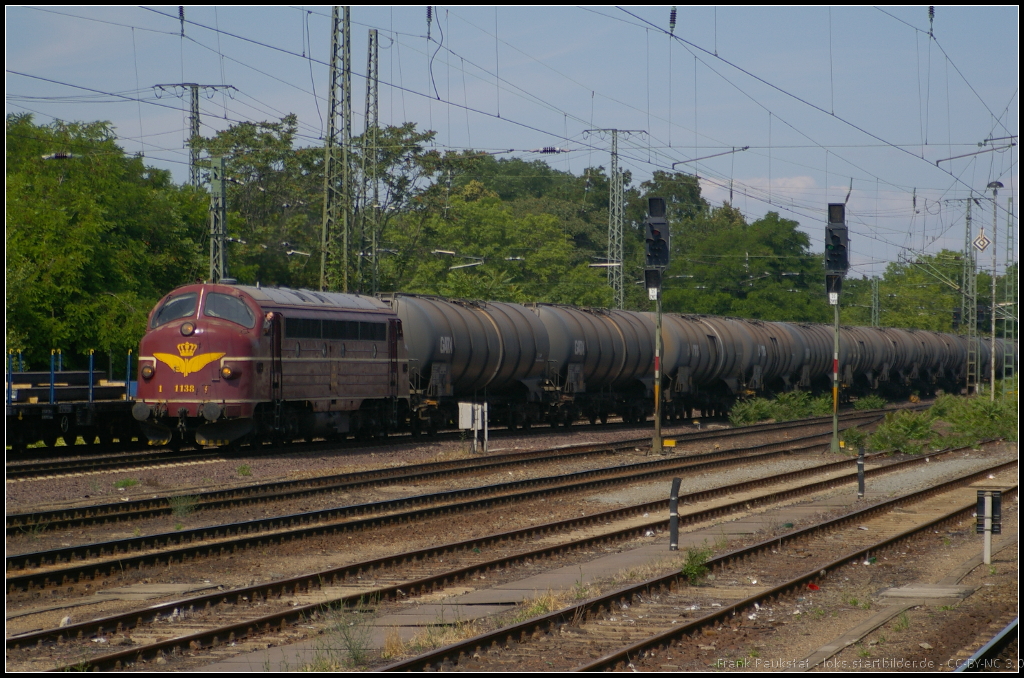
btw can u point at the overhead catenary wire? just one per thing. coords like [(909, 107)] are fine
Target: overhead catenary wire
[(799, 98), (498, 79), (565, 115)]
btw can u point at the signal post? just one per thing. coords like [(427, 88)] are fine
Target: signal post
[(837, 263), (657, 237)]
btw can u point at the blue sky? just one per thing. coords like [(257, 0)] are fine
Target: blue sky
[(822, 96)]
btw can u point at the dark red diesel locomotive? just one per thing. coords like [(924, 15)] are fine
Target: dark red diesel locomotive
[(224, 362)]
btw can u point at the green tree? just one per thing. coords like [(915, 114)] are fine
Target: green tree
[(723, 266), (912, 294), (275, 197), (94, 238), (275, 202), (510, 257)]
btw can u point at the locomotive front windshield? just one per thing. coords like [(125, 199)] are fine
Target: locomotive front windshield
[(181, 306), (228, 307)]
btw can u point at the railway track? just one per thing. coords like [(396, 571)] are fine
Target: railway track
[(80, 516), (184, 545), (290, 594), (1000, 653), (101, 459), (658, 608), (98, 459)]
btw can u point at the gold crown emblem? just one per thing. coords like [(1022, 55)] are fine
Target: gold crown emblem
[(188, 349)]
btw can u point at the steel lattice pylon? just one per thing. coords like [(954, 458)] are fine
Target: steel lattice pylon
[(616, 253), (193, 138), (369, 204), (218, 222), (334, 264), (615, 250), (1009, 306), (969, 306)]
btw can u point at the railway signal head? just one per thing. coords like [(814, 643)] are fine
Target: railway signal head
[(657, 235), (837, 240)]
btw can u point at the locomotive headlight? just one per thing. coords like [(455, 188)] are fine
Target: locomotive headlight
[(148, 371), (228, 373), (187, 329)]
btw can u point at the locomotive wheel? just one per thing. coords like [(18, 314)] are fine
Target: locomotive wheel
[(69, 439), (593, 420), (604, 417), (50, 439)]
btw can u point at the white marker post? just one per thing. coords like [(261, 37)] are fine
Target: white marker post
[(473, 416)]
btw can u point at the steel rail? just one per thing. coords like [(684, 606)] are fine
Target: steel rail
[(316, 580), (443, 657), (287, 531), (620, 657), (80, 516), (987, 658)]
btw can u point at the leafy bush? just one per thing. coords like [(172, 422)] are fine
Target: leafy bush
[(792, 405), (870, 402), (795, 405), (695, 568), (750, 412), (903, 431), (820, 407), (854, 438), (980, 418), (786, 407)]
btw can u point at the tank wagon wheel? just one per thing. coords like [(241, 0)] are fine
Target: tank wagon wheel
[(50, 439), (69, 439)]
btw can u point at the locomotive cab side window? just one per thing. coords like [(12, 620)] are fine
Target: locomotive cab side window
[(227, 307), (181, 306), (344, 330)]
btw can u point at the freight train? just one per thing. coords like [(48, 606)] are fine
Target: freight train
[(223, 363)]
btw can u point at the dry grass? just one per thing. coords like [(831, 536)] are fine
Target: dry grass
[(649, 570), (464, 451), (438, 635), (394, 646), (549, 602)]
